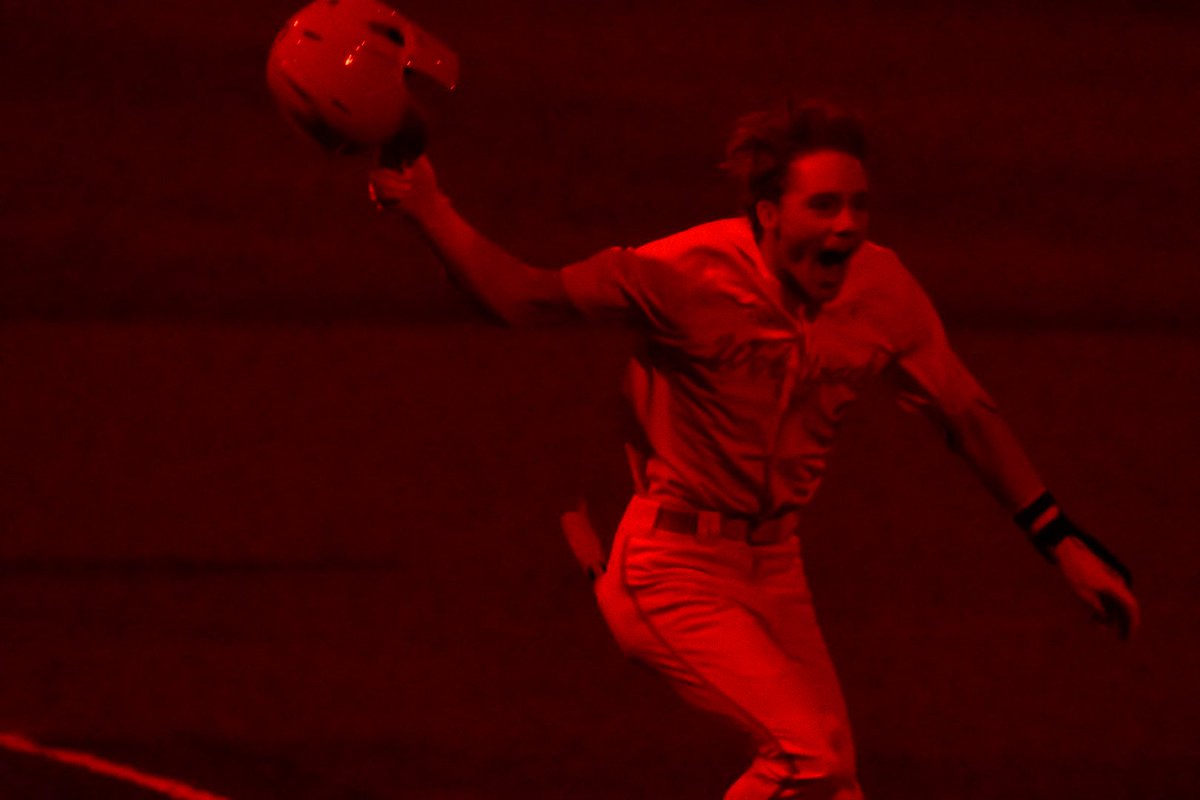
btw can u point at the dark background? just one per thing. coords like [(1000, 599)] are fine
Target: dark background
[(278, 511)]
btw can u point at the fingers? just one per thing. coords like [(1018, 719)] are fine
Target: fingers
[(387, 187), (584, 542), (1101, 586), (1115, 614), (374, 196), (404, 187), (419, 165), (1118, 610), (385, 178)]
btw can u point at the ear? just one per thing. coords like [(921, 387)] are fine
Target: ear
[(768, 214)]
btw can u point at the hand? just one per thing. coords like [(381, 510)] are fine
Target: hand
[(411, 189), (1099, 585), (583, 540)]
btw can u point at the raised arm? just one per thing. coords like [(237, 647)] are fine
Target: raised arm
[(513, 291)]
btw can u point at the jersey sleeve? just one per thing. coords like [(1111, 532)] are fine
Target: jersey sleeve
[(621, 284), (929, 374)]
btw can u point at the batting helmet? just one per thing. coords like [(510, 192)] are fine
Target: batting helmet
[(337, 70)]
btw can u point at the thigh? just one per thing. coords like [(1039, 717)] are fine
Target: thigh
[(689, 603), (781, 600), (779, 596)]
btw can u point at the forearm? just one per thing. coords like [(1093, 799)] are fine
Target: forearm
[(477, 265), (986, 442), (513, 291)]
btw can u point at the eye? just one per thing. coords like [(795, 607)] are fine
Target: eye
[(860, 202), (824, 203)]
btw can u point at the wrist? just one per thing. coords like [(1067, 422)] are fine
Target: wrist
[(1047, 527), (1045, 524), (430, 212)]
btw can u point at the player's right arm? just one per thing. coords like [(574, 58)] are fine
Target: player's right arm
[(513, 291)]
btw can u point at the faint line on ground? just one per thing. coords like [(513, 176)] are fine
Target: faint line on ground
[(167, 787)]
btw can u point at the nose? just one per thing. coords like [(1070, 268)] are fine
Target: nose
[(848, 222)]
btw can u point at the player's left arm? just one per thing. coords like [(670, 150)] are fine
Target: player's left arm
[(980, 435), (935, 381)]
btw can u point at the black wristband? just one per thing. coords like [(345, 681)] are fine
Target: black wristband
[(1050, 535), (1046, 536), (1030, 513)]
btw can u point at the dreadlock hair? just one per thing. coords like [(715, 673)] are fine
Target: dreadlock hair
[(765, 143)]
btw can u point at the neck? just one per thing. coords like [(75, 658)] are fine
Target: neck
[(768, 246), (791, 294)]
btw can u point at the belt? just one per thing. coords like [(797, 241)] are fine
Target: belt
[(711, 525)]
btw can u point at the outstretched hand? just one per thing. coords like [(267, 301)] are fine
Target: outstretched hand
[(411, 189), (1099, 585)]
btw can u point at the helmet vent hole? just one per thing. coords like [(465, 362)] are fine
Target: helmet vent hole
[(316, 37), (388, 32), (298, 89)]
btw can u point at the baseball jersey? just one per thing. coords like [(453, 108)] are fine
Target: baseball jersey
[(738, 397)]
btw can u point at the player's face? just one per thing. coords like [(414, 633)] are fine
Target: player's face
[(819, 222)]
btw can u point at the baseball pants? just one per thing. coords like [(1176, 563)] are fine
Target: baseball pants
[(731, 626)]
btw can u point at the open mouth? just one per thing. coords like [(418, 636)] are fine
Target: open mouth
[(833, 258)]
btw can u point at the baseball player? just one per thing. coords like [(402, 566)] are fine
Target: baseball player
[(757, 333)]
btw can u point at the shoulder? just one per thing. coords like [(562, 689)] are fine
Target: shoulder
[(708, 253), (880, 275), (722, 239), (681, 271), (882, 264), (702, 252), (889, 294)]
